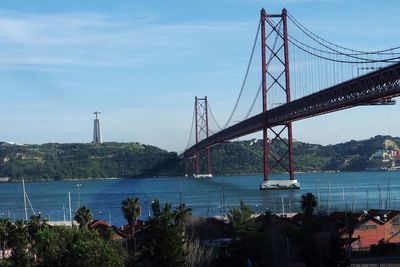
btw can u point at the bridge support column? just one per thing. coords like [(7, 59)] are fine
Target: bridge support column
[(264, 91), (274, 40), (288, 100), (202, 132)]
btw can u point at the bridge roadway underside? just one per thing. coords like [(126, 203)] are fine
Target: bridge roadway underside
[(381, 84)]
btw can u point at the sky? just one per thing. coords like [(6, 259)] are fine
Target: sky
[(141, 63)]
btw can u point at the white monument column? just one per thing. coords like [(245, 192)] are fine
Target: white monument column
[(97, 129)]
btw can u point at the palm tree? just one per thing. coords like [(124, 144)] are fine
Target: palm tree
[(132, 210), (308, 203), (22, 250), (5, 231), (182, 213), (156, 208), (35, 224), (83, 216)]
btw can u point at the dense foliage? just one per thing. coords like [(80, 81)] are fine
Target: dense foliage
[(35, 243), (66, 161), (62, 246), (165, 243)]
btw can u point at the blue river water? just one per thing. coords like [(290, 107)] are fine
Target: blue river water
[(216, 196)]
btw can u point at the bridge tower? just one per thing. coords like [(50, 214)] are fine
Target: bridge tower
[(275, 50), (202, 132)]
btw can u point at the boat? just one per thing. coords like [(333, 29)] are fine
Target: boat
[(203, 176), (280, 185)]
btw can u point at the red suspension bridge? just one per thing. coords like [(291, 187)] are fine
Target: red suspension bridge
[(297, 75)]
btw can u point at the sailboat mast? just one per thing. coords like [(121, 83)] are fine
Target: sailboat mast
[(24, 192), (180, 191), (380, 197), (64, 213), (353, 199), (318, 196), (344, 200), (329, 197), (223, 198), (69, 204), (388, 196)]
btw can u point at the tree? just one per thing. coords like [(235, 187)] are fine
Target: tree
[(259, 241), (165, 243), (61, 246), (197, 255), (35, 224), (351, 221), (245, 233), (242, 221), (83, 216), (309, 250), (5, 231), (22, 246), (182, 213), (131, 210), (308, 203)]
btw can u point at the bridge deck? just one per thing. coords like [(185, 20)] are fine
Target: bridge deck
[(377, 85)]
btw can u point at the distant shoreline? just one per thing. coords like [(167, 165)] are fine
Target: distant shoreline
[(69, 179), (177, 176)]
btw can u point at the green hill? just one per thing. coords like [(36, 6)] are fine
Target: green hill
[(246, 156), (64, 161), (68, 161)]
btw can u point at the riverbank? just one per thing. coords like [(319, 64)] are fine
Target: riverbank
[(209, 197)]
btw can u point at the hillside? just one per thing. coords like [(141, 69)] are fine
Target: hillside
[(246, 156), (66, 161)]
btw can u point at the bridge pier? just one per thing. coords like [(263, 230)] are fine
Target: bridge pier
[(277, 45), (202, 132)]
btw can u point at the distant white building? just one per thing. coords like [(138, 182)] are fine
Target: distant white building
[(385, 155), (4, 179), (97, 138)]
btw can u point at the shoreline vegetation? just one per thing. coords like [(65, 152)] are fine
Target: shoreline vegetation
[(172, 176), (54, 162), (171, 236)]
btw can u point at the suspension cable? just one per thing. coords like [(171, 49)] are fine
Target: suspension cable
[(391, 60), (213, 117), (191, 129), (245, 77), (254, 102), (335, 53), (299, 25), (310, 35)]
